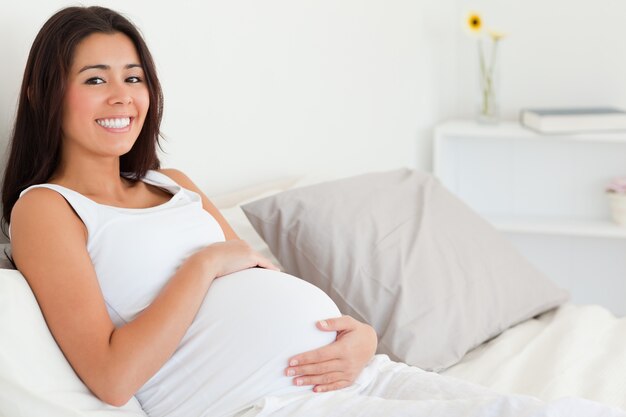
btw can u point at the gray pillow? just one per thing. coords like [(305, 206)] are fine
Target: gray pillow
[(400, 252), (5, 252)]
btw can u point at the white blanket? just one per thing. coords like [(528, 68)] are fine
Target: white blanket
[(393, 389), (571, 351)]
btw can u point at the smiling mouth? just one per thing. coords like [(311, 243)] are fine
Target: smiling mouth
[(114, 123)]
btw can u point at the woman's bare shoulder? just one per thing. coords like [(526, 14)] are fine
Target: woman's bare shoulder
[(179, 177), (39, 201), (42, 210), (42, 201)]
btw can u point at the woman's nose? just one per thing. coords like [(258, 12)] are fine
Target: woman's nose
[(120, 94)]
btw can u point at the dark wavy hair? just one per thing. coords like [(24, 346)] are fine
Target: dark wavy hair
[(35, 147)]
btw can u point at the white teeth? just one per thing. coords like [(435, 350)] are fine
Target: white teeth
[(114, 123)]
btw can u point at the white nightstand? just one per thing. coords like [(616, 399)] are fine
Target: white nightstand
[(546, 193)]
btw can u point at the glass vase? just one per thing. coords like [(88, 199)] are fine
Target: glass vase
[(487, 106)]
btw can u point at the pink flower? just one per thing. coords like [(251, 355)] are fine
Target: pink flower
[(617, 185)]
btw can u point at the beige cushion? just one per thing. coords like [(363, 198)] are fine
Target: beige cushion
[(397, 250)]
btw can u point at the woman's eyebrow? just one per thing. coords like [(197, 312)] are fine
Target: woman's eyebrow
[(106, 67)]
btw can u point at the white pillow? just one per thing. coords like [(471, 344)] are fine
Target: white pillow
[(35, 377)]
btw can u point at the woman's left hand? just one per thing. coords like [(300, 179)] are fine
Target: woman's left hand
[(338, 364)]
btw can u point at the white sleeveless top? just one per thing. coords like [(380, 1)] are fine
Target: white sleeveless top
[(250, 323)]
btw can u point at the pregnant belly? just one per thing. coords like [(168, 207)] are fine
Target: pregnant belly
[(237, 348)]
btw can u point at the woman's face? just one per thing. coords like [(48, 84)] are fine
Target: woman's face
[(107, 98)]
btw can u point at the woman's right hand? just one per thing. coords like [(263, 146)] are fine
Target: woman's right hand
[(223, 258)]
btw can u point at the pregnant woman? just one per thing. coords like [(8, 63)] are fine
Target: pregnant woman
[(146, 288)]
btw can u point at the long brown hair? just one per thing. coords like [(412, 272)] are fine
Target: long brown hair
[(35, 147)]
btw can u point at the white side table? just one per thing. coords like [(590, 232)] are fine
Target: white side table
[(546, 193)]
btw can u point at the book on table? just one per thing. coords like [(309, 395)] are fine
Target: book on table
[(574, 120)]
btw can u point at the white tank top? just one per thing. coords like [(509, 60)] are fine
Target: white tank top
[(250, 323)]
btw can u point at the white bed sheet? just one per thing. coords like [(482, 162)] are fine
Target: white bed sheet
[(394, 389), (575, 350)]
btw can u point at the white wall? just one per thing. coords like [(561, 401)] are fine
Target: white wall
[(257, 91), (558, 53), (262, 90)]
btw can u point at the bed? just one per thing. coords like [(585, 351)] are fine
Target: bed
[(494, 322)]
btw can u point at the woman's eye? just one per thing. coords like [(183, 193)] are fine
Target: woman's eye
[(94, 81), (133, 80)]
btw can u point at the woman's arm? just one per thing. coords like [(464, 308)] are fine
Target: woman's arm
[(49, 248)]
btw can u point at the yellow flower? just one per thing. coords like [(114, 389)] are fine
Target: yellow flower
[(488, 40), (474, 22), (495, 35)]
